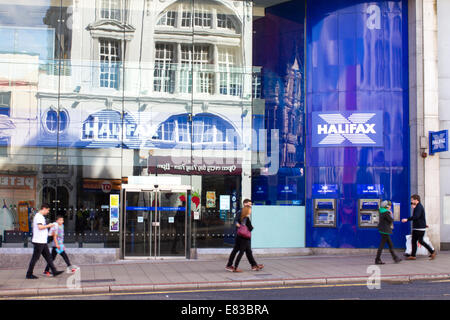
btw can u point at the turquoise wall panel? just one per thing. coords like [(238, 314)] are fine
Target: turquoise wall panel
[(278, 227)]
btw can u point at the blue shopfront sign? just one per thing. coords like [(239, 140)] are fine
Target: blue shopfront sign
[(328, 190), (260, 191), (438, 141), (287, 189), (370, 190), (347, 129)]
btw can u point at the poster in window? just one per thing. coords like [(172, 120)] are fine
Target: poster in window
[(210, 199), (114, 213)]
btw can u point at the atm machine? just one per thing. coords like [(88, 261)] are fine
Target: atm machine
[(325, 213), (368, 213)]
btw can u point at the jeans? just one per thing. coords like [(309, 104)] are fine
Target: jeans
[(40, 248), (386, 238), (62, 254), (417, 236), (242, 246)]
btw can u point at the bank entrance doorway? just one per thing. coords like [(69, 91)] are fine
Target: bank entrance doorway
[(156, 222)]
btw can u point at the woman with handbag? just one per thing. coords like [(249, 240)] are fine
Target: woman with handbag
[(243, 240)]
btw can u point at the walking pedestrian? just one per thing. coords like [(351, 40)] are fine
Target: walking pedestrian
[(39, 240), (58, 245), (229, 266), (385, 227), (419, 228), (244, 244)]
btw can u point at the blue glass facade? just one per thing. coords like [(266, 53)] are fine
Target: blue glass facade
[(357, 61)]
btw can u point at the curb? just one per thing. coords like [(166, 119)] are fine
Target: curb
[(128, 288)]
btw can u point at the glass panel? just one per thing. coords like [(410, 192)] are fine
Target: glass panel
[(278, 175), (138, 224), (29, 53), (93, 125), (222, 119), (172, 216)]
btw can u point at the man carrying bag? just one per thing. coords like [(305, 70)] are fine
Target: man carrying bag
[(419, 227)]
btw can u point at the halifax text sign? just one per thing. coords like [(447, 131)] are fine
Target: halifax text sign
[(347, 129)]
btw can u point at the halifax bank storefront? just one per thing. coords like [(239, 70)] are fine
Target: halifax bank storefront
[(147, 123)]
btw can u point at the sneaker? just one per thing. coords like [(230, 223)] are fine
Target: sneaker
[(57, 273), (397, 260), (379, 262), (433, 255), (237, 270), (411, 258), (258, 267), (229, 268), (31, 277), (47, 274)]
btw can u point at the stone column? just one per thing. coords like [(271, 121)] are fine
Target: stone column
[(424, 109)]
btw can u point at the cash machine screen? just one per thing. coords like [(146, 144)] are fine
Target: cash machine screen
[(372, 205), (365, 217), (324, 205)]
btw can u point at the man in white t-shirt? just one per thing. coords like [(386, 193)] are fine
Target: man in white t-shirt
[(40, 236)]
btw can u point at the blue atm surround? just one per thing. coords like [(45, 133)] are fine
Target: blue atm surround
[(357, 60)]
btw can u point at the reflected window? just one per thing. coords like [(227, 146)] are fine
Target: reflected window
[(199, 58), (225, 21), (186, 19), (183, 130), (206, 129), (109, 63), (5, 103), (168, 19), (256, 86), (165, 131), (63, 120), (51, 121), (199, 14), (4, 147), (230, 79), (202, 17), (197, 65), (164, 72), (111, 10)]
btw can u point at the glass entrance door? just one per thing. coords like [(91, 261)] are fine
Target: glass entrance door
[(155, 223), (138, 221)]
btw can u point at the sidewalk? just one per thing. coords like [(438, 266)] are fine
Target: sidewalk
[(162, 275)]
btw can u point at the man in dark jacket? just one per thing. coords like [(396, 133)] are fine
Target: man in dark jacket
[(385, 227), (419, 227)]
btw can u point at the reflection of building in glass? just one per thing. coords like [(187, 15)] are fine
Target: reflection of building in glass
[(175, 79)]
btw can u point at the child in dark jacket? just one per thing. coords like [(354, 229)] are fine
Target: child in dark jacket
[(385, 227)]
